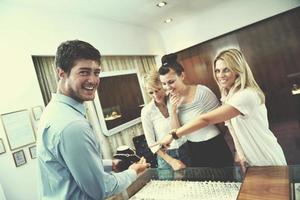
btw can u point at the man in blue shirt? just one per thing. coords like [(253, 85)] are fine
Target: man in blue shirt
[(69, 158)]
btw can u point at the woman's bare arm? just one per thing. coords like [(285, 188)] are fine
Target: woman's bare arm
[(220, 114)]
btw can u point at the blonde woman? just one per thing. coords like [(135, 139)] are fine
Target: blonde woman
[(243, 111), (155, 122)]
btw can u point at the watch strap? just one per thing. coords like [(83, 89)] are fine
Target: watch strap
[(174, 135)]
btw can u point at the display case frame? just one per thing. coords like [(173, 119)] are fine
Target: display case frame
[(226, 174), (123, 94)]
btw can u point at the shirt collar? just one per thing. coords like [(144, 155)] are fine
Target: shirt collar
[(70, 101)]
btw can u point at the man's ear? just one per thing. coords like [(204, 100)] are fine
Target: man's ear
[(61, 73)]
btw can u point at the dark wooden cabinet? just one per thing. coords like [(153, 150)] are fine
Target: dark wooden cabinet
[(272, 49)]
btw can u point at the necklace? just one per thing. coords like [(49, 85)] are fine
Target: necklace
[(163, 109), (161, 105)]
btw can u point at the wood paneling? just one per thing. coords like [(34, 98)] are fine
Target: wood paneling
[(272, 49), (265, 183)]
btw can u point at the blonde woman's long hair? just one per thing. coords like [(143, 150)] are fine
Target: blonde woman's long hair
[(236, 62), (152, 81)]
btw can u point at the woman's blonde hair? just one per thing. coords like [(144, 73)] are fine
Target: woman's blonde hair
[(236, 62), (152, 81)]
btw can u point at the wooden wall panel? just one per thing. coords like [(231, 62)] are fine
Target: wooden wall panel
[(272, 49), (197, 60)]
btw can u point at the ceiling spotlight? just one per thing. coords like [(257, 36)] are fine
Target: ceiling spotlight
[(168, 20), (161, 4)]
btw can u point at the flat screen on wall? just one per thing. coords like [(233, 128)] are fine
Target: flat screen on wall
[(119, 101)]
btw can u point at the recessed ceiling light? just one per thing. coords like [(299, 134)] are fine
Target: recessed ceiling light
[(161, 4), (168, 20)]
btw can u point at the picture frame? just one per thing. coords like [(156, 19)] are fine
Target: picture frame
[(2, 147), (19, 158), (37, 112), (32, 151), (18, 129)]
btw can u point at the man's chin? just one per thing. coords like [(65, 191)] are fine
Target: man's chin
[(89, 98)]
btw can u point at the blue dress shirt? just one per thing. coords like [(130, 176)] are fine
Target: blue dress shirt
[(69, 159)]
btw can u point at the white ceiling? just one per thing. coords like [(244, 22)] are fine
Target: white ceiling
[(137, 12)]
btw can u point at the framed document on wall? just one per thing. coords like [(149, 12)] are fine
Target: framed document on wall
[(18, 129), (37, 112), (19, 158), (2, 147), (32, 151)]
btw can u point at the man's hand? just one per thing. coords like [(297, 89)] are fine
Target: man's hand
[(166, 141), (140, 166), (115, 165), (177, 164)]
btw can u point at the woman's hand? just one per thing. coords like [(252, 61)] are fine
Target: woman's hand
[(166, 141), (241, 161), (177, 164), (175, 101)]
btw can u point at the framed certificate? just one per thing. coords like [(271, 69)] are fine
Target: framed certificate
[(32, 151), (37, 112), (2, 147), (18, 129), (19, 158)]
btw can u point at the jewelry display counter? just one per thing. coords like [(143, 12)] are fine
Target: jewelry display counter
[(258, 183), (188, 184), (294, 179)]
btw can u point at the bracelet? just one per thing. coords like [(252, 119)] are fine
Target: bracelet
[(174, 135)]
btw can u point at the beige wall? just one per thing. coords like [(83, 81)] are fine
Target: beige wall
[(220, 19), (25, 32)]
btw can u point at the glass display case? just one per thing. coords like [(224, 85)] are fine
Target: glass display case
[(119, 100), (260, 183), (189, 183), (294, 179)]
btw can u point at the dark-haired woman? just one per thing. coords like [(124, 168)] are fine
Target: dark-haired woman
[(207, 146), (243, 111)]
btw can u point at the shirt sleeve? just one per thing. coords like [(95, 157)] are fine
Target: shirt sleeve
[(148, 128), (244, 101), (79, 151), (207, 98), (107, 164)]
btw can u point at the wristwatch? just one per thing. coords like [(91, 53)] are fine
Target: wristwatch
[(174, 135)]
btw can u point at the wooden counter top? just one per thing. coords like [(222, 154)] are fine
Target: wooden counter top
[(265, 183)]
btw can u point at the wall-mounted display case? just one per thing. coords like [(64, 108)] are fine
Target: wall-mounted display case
[(119, 100)]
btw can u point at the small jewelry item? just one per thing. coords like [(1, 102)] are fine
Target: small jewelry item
[(174, 135)]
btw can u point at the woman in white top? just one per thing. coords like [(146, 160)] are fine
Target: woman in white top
[(156, 123), (207, 146), (243, 111)]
